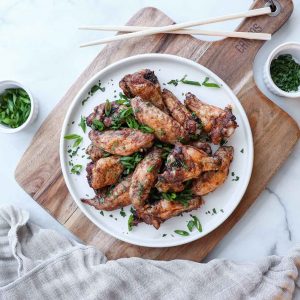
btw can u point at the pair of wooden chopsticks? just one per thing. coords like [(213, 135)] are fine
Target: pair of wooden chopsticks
[(136, 31)]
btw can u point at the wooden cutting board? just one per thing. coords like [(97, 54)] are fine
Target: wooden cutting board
[(275, 132)]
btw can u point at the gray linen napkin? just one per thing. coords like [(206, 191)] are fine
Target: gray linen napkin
[(39, 263)]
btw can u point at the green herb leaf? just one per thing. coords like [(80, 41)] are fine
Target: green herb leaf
[(237, 178), (78, 139), (72, 136), (77, 142), (94, 89), (98, 125), (197, 223), (146, 129), (174, 82), (132, 123), (150, 169), (190, 82), (181, 232), (107, 108), (123, 100), (209, 84), (126, 113), (130, 162), (82, 124), (166, 149), (76, 169), (122, 212), (84, 100), (97, 87), (223, 142), (190, 225), (183, 197), (130, 222)]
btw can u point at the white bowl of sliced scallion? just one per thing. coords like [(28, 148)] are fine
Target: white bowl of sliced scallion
[(282, 70), (18, 109)]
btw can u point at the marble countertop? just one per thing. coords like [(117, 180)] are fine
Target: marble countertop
[(39, 47)]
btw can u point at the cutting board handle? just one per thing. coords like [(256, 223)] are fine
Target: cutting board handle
[(231, 58)]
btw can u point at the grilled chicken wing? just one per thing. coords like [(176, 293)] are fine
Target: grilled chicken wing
[(122, 142), (185, 163), (202, 146), (165, 127), (209, 181), (218, 123), (180, 113), (94, 152), (164, 186), (112, 199), (100, 115), (105, 171), (145, 85), (163, 210), (144, 177)]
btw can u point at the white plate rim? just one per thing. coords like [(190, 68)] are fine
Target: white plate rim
[(202, 68)]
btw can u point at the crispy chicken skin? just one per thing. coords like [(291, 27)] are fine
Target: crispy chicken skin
[(144, 177), (113, 199), (94, 152), (165, 127), (163, 210), (121, 142), (145, 85), (165, 187), (180, 113), (185, 163), (99, 114), (209, 181), (202, 146), (218, 123), (105, 171)]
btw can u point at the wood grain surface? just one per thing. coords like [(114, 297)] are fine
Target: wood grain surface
[(275, 133)]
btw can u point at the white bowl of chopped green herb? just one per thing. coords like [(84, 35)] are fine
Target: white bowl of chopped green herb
[(18, 109), (282, 70)]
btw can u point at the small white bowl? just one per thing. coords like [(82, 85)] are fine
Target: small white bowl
[(292, 48), (8, 84)]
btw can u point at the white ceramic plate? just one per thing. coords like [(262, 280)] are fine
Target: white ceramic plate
[(218, 205)]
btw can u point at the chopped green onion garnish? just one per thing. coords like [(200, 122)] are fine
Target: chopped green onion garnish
[(15, 107), (181, 232)]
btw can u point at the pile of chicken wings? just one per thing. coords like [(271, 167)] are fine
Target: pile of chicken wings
[(173, 161)]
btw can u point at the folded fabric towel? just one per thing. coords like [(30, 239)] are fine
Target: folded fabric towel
[(39, 263)]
